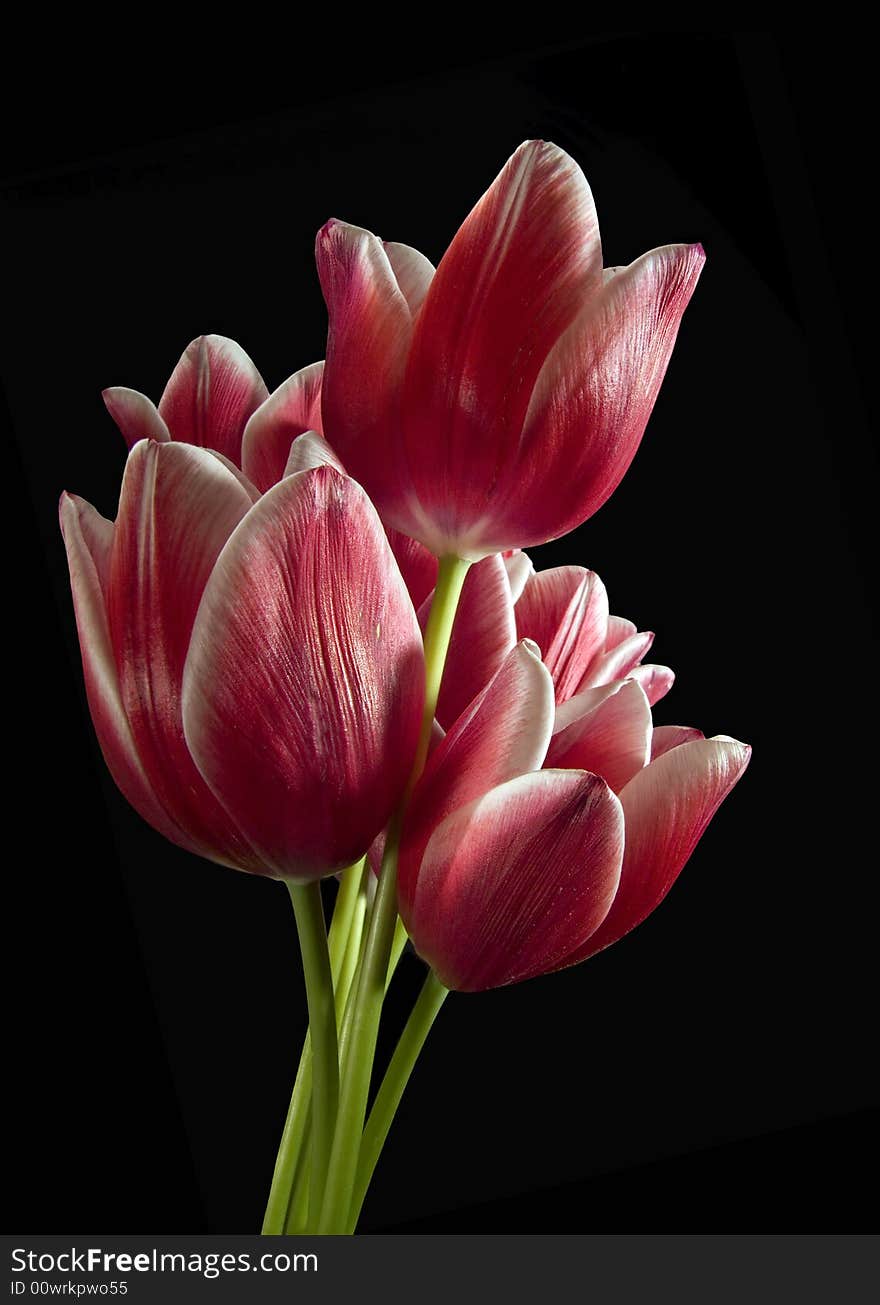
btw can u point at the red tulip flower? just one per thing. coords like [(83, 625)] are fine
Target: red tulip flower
[(216, 399), (498, 402), (254, 670), (565, 611), (508, 870)]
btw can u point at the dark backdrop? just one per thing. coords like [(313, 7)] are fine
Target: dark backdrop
[(711, 1071)]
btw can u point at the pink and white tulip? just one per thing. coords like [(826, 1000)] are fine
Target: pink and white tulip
[(530, 846), (565, 611), (216, 399), (497, 402), (254, 672)]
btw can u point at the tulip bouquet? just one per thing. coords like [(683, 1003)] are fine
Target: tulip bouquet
[(313, 646)]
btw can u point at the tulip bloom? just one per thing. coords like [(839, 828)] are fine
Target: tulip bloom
[(498, 402), (216, 399), (508, 870), (565, 611), (254, 671)]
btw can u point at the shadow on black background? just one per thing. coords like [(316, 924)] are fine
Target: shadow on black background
[(712, 1071)]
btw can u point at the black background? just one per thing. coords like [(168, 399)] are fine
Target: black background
[(711, 1071)]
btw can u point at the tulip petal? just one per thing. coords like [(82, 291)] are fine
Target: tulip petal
[(667, 806), (417, 566), (512, 883), (370, 326), (667, 737), (565, 611), (512, 281), (295, 407), (303, 687), (247, 485), (211, 394), (178, 506), (308, 451), (611, 739), (482, 636), (520, 569), (655, 680), (503, 733), (619, 628), (413, 272), (619, 662), (88, 538), (136, 416), (597, 388)]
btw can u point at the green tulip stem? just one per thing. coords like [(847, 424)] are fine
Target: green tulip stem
[(417, 1028), (370, 990), (292, 1158), (309, 912)]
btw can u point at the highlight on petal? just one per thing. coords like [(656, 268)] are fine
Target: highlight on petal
[(413, 272), (619, 662), (619, 628), (504, 732), (303, 687), (667, 807), (136, 416), (247, 485), (519, 571), (611, 738), (308, 451), (483, 635), (599, 383), (88, 538), (512, 883), (370, 326), (565, 610), (290, 411), (655, 680), (667, 737), (211, 394), (177, 508)]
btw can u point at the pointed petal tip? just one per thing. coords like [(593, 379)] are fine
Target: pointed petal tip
[(529, 646)]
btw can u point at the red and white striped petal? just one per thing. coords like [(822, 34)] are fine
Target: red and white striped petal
[(655, 680), (303, 686), (619, 662), (611, 738), (295, 407), (413, 273), (247, 485), (598, 386), (136, 416), (88, 538), (667, 806), (565, 611), (667, 737), (513, 279), (211, 394), (178, 506), (483, 635), (512, 883), (308, 451), (503, 733), (370, 327), (519, 571)]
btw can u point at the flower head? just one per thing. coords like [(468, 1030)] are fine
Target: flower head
[(497, 402)]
